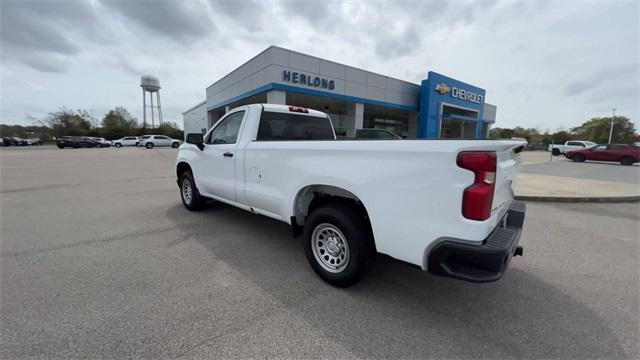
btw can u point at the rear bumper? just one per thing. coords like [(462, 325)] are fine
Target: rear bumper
[(487, 262)]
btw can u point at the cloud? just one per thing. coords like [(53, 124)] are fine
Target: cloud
[(552, 63), (391, 46), (41, 26), (40, 34), (247, 14), (177, 20), (606, 77), (49, 64)]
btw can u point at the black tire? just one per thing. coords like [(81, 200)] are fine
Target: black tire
[(117, 145), (555, 152), (578, 158), (627, 161), (197, 201), (354, 229), (149, 145), (175, 145)]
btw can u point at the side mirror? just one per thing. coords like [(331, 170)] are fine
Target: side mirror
[(196, 139)]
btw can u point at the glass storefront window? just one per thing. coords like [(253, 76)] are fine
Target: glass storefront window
[(458, 123), (457, 129), (339, 124), (398, 126)]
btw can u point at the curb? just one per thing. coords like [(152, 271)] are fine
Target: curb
[(569, 199)]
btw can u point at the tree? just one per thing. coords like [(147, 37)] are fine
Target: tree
[(597, 130), (559, 137), (68, 122), (118, 123), (167, 128), (500, 133)]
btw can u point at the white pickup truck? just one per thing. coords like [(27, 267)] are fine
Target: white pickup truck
[(557, 149), (444, 205)]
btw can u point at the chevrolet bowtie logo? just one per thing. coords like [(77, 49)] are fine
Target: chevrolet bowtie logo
[(443, 89)]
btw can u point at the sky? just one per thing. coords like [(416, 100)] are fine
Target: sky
[(547, 65)]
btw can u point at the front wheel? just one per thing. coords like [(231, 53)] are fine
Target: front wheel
[(578, 158), (149, 145), (191, 198), (338, 244)]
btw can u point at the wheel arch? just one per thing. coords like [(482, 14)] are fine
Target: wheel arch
[(313, 196), (182, 167)]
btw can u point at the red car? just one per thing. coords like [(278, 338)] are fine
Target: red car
[(624, 154)]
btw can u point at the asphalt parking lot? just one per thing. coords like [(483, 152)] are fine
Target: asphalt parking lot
[(541, 162), (99, 259)]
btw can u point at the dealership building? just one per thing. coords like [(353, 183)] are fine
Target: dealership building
[(439, 107)]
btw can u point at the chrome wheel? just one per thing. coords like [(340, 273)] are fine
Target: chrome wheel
[(330, 248), (187, 191)]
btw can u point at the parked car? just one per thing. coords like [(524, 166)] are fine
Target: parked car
[(19, 141), (151, 141), (75, 142), (558, 149), (126, 141), (34, 141), (8, 141), (450, 209), (377, 134), (622, 153), (101, 142)]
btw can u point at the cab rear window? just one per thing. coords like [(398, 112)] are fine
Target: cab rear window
[(275, 126)]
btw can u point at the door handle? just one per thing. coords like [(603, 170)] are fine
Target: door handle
[(228, 154)]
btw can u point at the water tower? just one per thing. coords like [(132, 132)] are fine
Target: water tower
[(150, 84)]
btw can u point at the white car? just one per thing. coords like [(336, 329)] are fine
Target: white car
[(444, 205), (126, 141), (151, 141), (558, 149)]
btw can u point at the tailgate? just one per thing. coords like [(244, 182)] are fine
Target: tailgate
[(508, 167)]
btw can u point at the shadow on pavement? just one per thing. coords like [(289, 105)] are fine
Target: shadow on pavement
[(398, 310)]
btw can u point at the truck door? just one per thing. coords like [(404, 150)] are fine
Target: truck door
[(216, 164)]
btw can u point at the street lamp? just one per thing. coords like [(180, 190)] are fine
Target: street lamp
[(611, 129)]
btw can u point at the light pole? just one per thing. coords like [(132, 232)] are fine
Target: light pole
[(611, 129)]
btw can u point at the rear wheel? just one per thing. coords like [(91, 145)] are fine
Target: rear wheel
[(338, 244), (627, 161), (175, 145), (149, 145), (555, 152), (578, 158), (191, 198)]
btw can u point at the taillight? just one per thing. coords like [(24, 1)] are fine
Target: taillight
[(478, 198)]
